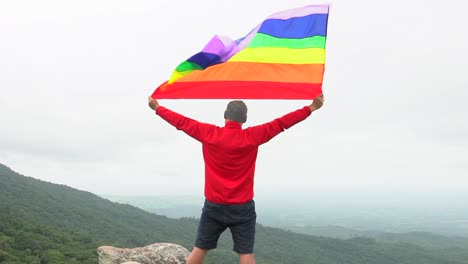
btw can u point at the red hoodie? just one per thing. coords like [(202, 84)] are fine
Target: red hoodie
[(230, 152)]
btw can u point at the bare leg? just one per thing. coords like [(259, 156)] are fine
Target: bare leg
[(197, 256), (246, 259)]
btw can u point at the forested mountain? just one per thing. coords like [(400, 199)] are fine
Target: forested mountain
[(43, 222)]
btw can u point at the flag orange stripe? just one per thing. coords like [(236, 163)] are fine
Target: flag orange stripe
[(253, 71)]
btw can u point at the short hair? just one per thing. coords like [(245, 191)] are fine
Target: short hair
[(236, 111)]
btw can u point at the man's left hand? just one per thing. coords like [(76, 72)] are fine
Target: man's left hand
[(153, 103)]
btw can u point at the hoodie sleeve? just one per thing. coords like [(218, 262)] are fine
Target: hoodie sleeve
[(191, 127), (265, 132)]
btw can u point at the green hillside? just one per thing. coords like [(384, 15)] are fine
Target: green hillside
[(43, 222)]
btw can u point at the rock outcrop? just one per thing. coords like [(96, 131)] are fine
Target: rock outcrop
[(159, 253)]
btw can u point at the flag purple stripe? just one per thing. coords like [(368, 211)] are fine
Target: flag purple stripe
[(303, 11), (219, 45), (242, 45)]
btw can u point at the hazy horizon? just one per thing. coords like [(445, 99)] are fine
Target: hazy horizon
[(360, 194), (398, 210), (381, 208)]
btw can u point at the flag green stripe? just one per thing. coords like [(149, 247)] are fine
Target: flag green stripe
[(186, 65), (263, 40)]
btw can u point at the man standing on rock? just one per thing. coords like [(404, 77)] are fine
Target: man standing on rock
[(230, 153)]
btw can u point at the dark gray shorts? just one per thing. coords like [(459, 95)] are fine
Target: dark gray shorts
[(216, 218)]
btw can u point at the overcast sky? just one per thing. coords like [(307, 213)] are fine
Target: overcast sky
[(75, 77)]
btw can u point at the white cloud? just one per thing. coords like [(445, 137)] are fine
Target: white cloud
[(75, 78)]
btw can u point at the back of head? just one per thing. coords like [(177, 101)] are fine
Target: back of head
[(236, 111)]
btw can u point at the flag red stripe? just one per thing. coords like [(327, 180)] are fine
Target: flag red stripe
[(237, 90)]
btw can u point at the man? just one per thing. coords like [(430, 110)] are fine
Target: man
[(230, 153)]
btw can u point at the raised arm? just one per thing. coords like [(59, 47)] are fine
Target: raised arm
[(265, 132), (193, 128)]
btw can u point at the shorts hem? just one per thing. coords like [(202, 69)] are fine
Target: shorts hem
[(206, 247), (242, 252)]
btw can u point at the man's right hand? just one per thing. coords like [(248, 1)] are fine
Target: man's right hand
[(317, 103)]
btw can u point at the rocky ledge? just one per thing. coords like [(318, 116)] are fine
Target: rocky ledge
[(159, 253)]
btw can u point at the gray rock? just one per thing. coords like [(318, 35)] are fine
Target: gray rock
[(159, 253)]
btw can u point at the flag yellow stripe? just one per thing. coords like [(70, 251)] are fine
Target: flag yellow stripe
[(281, 55)]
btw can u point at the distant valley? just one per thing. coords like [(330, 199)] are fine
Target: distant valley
[(341, 220), (434, 228)]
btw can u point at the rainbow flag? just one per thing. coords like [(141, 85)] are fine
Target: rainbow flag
[(282, 58)]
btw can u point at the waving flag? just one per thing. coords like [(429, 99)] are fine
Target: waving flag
[(282, 58)]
